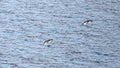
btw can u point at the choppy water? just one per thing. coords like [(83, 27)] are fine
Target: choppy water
[(25, 24)]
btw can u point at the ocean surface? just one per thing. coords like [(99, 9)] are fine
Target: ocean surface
[(26, 24)]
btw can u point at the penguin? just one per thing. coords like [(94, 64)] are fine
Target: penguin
[(87, 22), (46, 42)]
